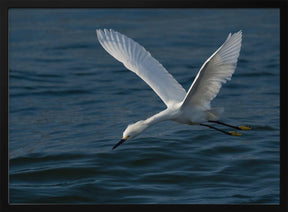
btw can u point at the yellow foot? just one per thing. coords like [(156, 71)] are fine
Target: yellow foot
[(234, 133), (245, 128)]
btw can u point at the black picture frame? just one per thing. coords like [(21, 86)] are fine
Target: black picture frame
[(4, 76)]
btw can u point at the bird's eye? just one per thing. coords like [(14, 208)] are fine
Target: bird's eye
[(128, 136)]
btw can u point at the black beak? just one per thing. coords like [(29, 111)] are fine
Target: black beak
[(120, 142)]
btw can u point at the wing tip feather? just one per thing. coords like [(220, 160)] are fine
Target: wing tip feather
[(99, 34)]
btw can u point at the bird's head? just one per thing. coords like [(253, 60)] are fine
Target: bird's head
[(132, 131)]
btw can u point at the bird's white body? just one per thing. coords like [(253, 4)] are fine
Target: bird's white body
[(174, 112), (192, 107)]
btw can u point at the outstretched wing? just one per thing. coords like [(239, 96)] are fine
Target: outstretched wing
[(216, 70), (138, 60)]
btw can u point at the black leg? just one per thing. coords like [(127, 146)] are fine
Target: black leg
[(227, 133), (228, 125)]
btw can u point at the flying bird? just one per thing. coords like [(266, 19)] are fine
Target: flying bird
[(192, 107)]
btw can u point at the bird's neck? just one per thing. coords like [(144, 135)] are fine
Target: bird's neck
[(159, 117)]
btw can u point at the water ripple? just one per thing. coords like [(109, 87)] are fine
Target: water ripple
[(70, 101)]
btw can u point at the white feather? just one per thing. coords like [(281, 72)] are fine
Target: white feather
[(216, 70), (138, 60)]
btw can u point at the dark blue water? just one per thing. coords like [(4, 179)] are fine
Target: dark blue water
[(69, 102)]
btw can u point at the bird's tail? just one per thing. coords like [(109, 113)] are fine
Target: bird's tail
[(214, 113)]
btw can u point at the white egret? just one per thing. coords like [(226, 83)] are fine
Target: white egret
[(192, 107)]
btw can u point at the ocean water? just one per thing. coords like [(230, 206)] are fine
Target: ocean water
[(70, 101)]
